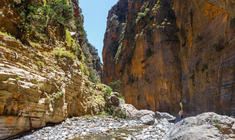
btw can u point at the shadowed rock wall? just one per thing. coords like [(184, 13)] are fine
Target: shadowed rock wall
[(166, 52)]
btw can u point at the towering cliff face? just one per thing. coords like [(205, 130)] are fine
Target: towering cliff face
[(166, 52), (114, 36), (43, 69)]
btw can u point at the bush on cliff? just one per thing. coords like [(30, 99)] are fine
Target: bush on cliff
[(115, 85), (37, 17), (92, 76), (107, 93)]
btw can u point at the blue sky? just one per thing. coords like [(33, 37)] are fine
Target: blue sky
[(95, 14)]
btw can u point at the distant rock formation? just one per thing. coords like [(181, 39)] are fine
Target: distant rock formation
[(168, 51)]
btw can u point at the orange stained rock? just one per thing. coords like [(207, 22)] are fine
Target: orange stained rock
[(190, 40), (150, 100), (137, 65), (10, 119), (212, 11)]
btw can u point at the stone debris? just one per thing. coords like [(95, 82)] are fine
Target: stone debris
[(208, 126), (102, 127)]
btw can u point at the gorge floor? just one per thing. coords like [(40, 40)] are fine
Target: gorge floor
[(100, 128), (205, 126)]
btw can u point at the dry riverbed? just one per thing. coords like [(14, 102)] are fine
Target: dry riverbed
[(99, 128)]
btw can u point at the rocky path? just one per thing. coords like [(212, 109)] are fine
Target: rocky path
[(206, 126), (101, 128)]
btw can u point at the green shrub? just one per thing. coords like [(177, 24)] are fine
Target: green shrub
[(108, 91), (141, 15), (101, 86), (115, 85), (36, 16), (35, 45), (109, 109), (115, 112), (120, 96), (103, 114), (119, 113), (79, 27), (40, 64), (44, 2), (77, 52), (82, 68), (215, 120), (62, 52), (156, 7), (8, 35), (68, 38), (92, 76), (118, 53), (59, 94), (68, 2)]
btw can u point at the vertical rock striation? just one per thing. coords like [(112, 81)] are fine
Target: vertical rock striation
[(43, 75), (206, 33), (173, 51)]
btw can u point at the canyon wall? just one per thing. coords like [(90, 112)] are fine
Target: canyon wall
[(169, 51), (43, 65)]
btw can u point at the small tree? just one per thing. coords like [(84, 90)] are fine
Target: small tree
[(116, 85), (36, 16), (92, 76)]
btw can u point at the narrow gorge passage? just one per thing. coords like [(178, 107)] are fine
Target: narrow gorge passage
[(168, 70)]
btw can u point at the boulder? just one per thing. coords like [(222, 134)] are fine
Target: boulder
[(116, 94), (164, 115), (132, 112), (113, 101), (206, 126), (148, 119)]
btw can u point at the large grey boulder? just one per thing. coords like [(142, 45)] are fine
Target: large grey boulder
[(132, 112), (164, 115), (148, 119), (206, 126)]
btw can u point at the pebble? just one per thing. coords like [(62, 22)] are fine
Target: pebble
[(101, 127)]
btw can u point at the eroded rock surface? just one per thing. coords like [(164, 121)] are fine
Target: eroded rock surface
[(206, 126), (32, 96), (148, 119), (170, 51), (42, 82), (132, 112)]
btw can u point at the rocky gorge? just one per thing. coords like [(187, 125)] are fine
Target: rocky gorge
[(160, 57), (141, 124), (169, 51)]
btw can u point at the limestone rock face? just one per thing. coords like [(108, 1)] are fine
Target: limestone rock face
[(166, 52), (32, 96), (8, 18), (207, 54), (40, 84), (206, 126), (114, 35)]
